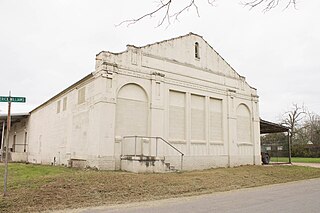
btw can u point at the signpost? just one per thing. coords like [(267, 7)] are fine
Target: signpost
[(8, 99)]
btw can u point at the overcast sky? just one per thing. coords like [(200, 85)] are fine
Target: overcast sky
[(46, 46)]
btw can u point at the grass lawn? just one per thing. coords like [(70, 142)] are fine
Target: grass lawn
[(37, 188), (295, 160)]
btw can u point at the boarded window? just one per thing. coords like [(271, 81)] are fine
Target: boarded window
[(243, 124), (197, 117), (58, 106), (215, 122), (132, 111), (81, 95), (64, 107), (132, 114), (177, 115)]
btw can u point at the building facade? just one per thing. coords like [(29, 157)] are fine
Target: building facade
[(172, 103)]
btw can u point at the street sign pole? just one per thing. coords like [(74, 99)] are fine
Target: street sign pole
[(8, 99), (7, 147)]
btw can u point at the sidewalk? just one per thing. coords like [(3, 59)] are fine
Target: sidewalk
[(315, 165)]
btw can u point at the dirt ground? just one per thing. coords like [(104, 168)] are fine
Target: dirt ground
[(71, 188)]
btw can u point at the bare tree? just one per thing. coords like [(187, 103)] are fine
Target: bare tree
[(172, 12), (293, 119), (312, 127)]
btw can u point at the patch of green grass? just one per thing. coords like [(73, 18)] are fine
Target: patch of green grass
[(32, 171), (23, 174), (279, 159), (34, 188), (295, 160), (305, 160)]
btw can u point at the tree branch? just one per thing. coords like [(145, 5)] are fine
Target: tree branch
[(162, 6), (269, 4), (170, 12), (192, 3)]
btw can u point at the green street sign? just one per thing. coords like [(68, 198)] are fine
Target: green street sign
[(12, 99)]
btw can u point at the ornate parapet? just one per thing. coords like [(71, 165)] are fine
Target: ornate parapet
[(106, 70)]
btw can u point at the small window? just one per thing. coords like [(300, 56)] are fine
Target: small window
[(64, 106), (25, 142), (81, 95), (196, 50), (58, 106), (14, 143)]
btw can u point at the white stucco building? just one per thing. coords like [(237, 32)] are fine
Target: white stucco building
[(179, 91)]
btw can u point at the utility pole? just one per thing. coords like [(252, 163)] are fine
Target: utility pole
[(289, 145)]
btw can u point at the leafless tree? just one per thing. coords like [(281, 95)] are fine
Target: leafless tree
[(293, 118), (172, 12), (311, 127)]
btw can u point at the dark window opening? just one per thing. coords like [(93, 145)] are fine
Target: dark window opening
[(25, 142), (14, 143), (196, 50)]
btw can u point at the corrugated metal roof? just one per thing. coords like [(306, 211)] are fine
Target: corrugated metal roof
[(15, 117)]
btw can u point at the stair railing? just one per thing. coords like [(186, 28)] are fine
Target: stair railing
[(157, 139)]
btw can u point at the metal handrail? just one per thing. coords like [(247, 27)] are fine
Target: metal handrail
[(171, 145), (156, 137)]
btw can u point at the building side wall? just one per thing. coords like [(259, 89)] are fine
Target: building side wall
[(75, 130)]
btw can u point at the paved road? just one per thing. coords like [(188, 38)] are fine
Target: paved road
[(302, 196)]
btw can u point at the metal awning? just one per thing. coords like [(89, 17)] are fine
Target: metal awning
[(269, 127), (16, 117)]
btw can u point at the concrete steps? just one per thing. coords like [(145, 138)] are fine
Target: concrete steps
[(142, 164)]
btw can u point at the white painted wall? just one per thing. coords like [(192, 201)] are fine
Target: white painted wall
[(199, 105), (185, 94)]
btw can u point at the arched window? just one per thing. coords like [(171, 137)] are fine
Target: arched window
[(196, 50), (132, 115)]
